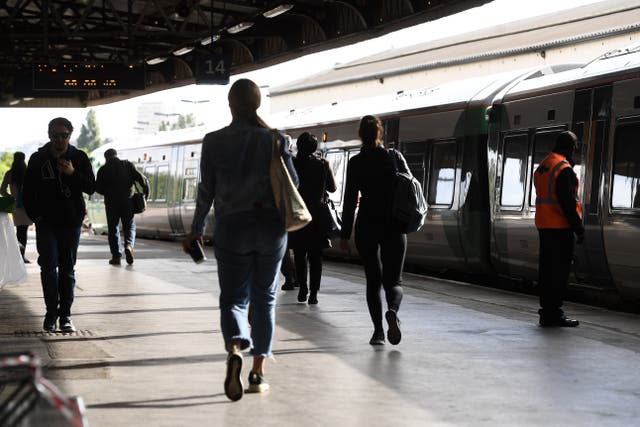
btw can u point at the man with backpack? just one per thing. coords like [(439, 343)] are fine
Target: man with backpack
[(115, 181)]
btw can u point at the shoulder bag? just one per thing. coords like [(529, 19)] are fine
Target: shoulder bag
[(328, 218), (293, 211), (138, 201)]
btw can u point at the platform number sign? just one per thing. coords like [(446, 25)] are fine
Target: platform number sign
[(212, 69)]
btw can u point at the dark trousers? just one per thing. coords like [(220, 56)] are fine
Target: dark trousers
[(57, 250), (117, 213), (556, 254), (21, 234), (288, 269), (382, 252), (312, 257)]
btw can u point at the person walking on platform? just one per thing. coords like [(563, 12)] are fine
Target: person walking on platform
[(57, 175), (558, 217), (380, 243), (249, 237), (316, 178), (288, 270), (13, 181), (115, 180)]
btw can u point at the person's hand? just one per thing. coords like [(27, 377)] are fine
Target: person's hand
[(580, 238), (344, 245), (65, 166), (188, 242)]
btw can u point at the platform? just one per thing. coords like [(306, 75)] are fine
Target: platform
[(149, 352)]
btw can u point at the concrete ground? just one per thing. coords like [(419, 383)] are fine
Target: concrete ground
[(149, 352)]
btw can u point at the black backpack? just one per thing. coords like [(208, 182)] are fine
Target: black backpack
[(408, 205)]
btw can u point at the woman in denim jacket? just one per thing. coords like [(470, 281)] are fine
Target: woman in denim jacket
[(249, 238)]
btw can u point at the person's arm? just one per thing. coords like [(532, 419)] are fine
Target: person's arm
[(30, 188), (100, 184), (5, 184), (81, 173), (350, 201), (330, 184), (566, 192), (288, 159), (206, 189)]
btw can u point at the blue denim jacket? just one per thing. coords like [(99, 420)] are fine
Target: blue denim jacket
[(234, 171)]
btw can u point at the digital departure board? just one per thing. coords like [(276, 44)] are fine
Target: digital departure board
[(73, 76)]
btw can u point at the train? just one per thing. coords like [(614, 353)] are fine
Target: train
[(474, 145)]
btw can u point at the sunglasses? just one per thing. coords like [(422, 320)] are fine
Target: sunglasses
[(63, 135)]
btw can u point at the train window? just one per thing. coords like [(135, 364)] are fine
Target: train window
[(442, 170), (189, 189), (338, 165), (414, 155), (514, 170), (150, 173), (543, 143), (625, 193), (162, 183)]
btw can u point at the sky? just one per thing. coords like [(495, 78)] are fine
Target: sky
[(118, 120)]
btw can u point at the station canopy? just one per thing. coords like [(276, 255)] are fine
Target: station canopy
[(76, 53)]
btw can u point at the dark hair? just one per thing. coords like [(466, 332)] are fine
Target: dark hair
[(110, 153), (244, 99), (306, 144), (368, 131), (565, 143), (18, 168), (60, 121)]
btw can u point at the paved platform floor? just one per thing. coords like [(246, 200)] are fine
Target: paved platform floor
[(149, 352)]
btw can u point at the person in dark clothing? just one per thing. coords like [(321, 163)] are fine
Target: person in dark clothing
[(558, 217), (316, 179), (56, 176), (13, 180), (115, 181), (380, 243), (288, 270)]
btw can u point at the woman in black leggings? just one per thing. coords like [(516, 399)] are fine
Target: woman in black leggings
[(380, 243)]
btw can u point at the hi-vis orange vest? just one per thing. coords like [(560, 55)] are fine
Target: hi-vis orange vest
[(548, 211)]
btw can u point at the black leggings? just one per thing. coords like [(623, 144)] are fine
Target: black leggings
[(314, 258), (382, 254), (21, 234)]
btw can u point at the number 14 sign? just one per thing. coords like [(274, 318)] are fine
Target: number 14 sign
[(212, 69)]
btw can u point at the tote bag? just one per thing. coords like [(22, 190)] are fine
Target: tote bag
[(138, 201), (293, 211)]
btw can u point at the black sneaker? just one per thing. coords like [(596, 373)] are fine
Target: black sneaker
[(377, 338), (313, 299), (66, 325), (257, 383), (114, 261), (302, 294), (393, 334), (562, 322), (233, 387), (49, 323), (128, 254)]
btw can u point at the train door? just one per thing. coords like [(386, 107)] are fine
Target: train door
[(591, 115), (174, 193), (621, 201)]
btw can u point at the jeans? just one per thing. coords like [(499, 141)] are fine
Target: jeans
[(57, 249), (249, 247), (382, 250), (115, 214)]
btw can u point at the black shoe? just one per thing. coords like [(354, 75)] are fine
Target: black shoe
[(114, 261), (558, 322), (302, 294), (288, 286), (393, 334), (313, 299), (377, 338), (49, 323), (128, 253), (66, 325), (233, 387), (257, 383)]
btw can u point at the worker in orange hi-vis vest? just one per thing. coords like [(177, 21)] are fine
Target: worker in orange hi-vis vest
[(558, 217)]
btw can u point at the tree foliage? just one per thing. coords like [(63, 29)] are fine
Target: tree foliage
[(184, 121), (6, 158), (89, 138)]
